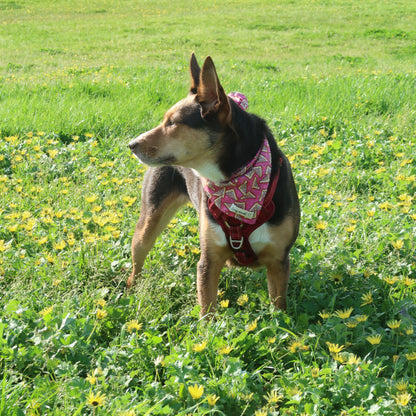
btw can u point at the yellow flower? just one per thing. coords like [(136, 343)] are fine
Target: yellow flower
[(334, 348), (340, 358), (297, 346), (242, 300), (196, 391), (252, 326), (385, 206), (353, 360), (101, 313), (374, 339), (361, 318), (411, 356), (225, 350), (60, 245), (371, 212), (344, 314), (212, 399), (195, 250), (101, 302), (224, 303), (91, 198), (46, 311), (321, 225), (199, 347), (3, 247), (402, 399), (402, 386), (129, 200), (273, 397), (261, 412), (52, 153), (398, 244), (91, 379), (324, 314), (367, 299), (96, 399), (350, 228), (409, 330), (394, 324), (315, 372), (408, 281), (391, 280), (351, 324), (71, 241), (134, 325), (13, 228)]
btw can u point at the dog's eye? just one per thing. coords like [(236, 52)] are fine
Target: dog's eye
[(170, 123)]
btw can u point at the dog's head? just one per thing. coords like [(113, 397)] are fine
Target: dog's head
[(189, 134)]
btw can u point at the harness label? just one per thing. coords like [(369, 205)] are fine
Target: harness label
[(243, 212)]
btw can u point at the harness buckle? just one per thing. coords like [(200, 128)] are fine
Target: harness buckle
[(236, 244)]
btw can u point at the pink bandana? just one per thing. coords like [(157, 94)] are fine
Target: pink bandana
[(240, 99), (242, 196)]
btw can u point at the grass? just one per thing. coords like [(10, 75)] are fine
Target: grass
[(336, 85)]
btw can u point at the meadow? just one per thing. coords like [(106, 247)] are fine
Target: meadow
[(336, 82)]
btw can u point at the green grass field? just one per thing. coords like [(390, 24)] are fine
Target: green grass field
[(336, 82)]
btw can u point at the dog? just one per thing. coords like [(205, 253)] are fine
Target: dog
[(209, 150)]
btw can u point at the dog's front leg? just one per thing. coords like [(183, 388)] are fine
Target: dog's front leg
[(214, 253), (277, 282), (208, 274)]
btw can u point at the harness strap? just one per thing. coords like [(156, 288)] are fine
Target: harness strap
[(237, 232)]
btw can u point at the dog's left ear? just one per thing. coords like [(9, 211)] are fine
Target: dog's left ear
[(211, 95), (195, 74)]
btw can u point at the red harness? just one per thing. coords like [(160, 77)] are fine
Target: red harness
[(238, 232)]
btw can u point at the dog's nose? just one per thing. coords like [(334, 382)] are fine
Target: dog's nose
[(132, 145)]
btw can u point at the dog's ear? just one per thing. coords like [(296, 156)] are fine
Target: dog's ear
[(210, 93), (195, 74)]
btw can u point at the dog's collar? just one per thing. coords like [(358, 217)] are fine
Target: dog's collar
[(242, 196)]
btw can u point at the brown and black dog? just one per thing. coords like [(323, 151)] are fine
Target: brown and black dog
[(207, 137)]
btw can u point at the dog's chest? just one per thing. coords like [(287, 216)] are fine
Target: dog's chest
[(259, 238)]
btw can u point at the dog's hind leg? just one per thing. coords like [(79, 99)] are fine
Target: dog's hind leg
[(163, 193)]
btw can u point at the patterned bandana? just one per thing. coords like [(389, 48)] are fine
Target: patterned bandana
[(240, 99), (242, 196)]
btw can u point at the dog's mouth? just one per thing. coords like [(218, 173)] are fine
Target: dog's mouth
[(151, 161)]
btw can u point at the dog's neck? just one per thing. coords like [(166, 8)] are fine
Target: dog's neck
[(210, 172), (242, 195)]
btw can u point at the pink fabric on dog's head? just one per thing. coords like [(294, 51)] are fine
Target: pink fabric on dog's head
[(240, 99)]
